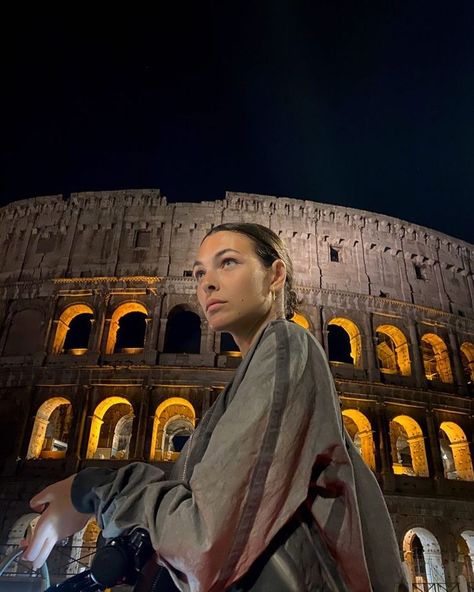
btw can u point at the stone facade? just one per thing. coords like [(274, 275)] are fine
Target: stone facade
[(397, 296)]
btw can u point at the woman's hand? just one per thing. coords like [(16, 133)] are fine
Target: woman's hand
[(59, 519)]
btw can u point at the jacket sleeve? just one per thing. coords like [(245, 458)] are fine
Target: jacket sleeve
[(252, 478)]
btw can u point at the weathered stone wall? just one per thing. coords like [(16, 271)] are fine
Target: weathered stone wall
[(126, 233)]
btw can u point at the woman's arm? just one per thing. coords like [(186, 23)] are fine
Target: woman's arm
[(252, 478)]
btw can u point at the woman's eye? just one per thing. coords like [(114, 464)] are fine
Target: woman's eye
[(198, 274), (226, 262)]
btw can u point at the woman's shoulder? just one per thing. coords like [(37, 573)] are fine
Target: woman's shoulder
[(295, 337)]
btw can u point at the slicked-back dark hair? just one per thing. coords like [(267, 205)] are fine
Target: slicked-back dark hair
[(268, 247)]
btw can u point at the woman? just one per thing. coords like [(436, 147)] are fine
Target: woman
[(263, 496)]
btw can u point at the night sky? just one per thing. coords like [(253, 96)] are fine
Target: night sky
[(362, 104)]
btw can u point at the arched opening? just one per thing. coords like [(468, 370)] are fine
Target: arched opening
[(173, 423), (84, 545), (408, 447), (392, 351), (344, 342), (467, 357), (301, 320), (127, 330), (183, 332), (131, 333), (436, 358), (455, 452), (423, 556), (111, 429), (73, 330), (16, 533), (19, 529), (360, 431), (50, 434), (176, 433), (465, 545), (228, 346), (24, 333)]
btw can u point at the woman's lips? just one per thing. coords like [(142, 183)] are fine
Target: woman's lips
[(214, 306)]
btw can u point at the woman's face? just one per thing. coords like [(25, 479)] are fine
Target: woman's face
[(233, 286)]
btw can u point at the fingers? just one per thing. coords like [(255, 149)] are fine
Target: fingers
[(44, 553), (40, 536)]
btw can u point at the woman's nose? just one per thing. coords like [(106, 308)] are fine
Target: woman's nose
[(209, 286)]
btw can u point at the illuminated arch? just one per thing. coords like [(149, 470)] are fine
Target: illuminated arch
[(362, 435), (355, 340), (64, 321), (98, 420), (408, 447), (174, 407), (436, 358), (466, 554), (19, 528), (38, 434), (459, 450), (422, 553), (175, 427), (84, 544), (119, 312), (301, 320), (467, 353), (392, 351)]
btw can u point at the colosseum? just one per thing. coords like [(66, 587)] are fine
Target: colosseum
[(105, 355)]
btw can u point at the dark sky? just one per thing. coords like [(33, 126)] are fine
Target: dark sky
[(363, 104)]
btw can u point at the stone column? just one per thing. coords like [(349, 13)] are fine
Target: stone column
[(418, 455), (82, 406), (418, 367), (26, 427), (317, 320), (139, 451), (383, 456), (162, 334), (368, 349), (207, 338), (459, 376), (435, 449), (96, 339)]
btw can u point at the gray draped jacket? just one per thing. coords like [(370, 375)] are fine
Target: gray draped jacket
[(272, 445)]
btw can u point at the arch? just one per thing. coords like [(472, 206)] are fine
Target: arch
[(467, 355), (459, 453), (64, 326), (392, 350), (98, 422), (84, 544), (122, 436), (41, 426), (408, 447), (355, 341), (183, 332), (466, 554), (19, 528), (121, 310), (301, 320), (436, 358), (228, 345), (422, 553), (175, 434), (172, 408), (24, 333), (362, 436)]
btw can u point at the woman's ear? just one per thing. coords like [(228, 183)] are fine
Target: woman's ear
[(278, 275)]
